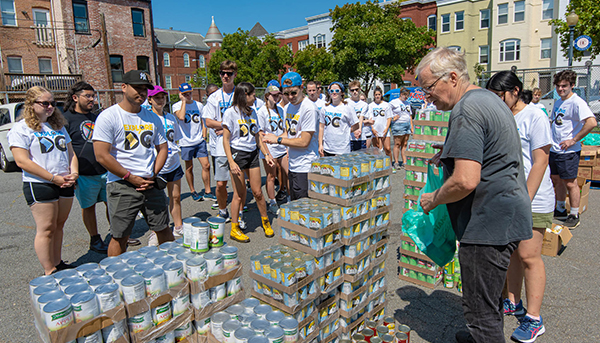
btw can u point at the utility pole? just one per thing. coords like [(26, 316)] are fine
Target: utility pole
[(107, 59)]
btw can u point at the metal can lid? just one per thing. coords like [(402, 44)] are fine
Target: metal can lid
[(100, 280), (176, 251), (250, 303), (243, 333), (273, 332), (77, 288), (43, 289), (382, 329), (87, 266), (147, 250), (275, 316), (298, 263), (235, 309), (65, 273), (228, 250), (266, 260), (115, 267), (220, 317), (90, 274), (134, 261), (51, 296), (287, 259), (174, 265), (167, 245), (107, 288), (257, 257), (403, 328), (161, 261), (258, 339), (213, 255), (289, 323), (152, 273), (307, 257), (216, 220), (185, 256), (388, 338), (132, 281), (376, 340), (248, 317), (200, 224), (122, 274), (259, 325), (262, 309), (42, 280), (276, 265), (155, 255), (129, 254), (66, 282), (368, 332), (142, 267), (191, 220), (231, 325), (82, 297), (288, 270), (57, 305), (196, 261)]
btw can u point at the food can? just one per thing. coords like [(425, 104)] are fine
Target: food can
[(201, 300), (202, 326), (274, 317), (376, 340), (255, 261), (86, 267), (390, 322), (387, 338), (140, 322), (247, 318), (216, 324), (229, 328), (382, 330), (214, 263), (134, 261), (105, 262), (162, 261), (234, 286), (134, 288), (218, 293), (108, 296), (156, 281), (183, 332), (166, 246), (404, 329), (39, 281), (290, 329), (258, 339), (200, 233), (153, 256), (275, 334), (300, 268), (144, 251), (288, 276), (196, 269), (187, 230), (49, 297), (141, 268), (275, 273), (250, 303), (262, 310), (259, 325), (243, 334), (174, 273), (121, 275), (235, 311), (230, 257), (401, 337), (58, 314), (180, 304), (368, 333), (357, 337), (68, 281), (161, 313), (112, 333), (173, 252), (90, 274), (85, 306), (94, 337), (217, 230), (76, 288), (115, 267)]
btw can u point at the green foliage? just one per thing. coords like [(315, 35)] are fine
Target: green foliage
[(315, 64), (479, 69), (259, 61), (371, 42), (198, 79), (588, 24)]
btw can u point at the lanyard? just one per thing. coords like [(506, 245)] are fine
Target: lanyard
[(228, 101)]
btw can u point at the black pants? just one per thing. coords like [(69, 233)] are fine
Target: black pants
[(298, 185), (483, 269)]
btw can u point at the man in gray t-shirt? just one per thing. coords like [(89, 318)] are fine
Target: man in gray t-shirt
[(484, 188)]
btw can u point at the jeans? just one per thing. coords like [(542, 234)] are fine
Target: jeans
[(483, 269)]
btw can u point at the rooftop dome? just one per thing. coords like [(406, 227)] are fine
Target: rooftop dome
[(213, 34)]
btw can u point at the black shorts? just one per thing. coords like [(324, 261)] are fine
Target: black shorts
[(565, 166), (298, 185), (357, 145), (175, 175), (245, 159), (39, 192)]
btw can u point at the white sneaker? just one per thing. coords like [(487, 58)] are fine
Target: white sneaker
[(242, 224), (153, 240), (178, 231)]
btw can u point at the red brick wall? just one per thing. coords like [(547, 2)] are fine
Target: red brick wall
[(418, 13), (176, 70), (294, 41)]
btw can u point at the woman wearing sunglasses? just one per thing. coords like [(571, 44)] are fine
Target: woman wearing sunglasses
[(381, 114), (271, 120), (241, 142), (42, 149), (336, 121)]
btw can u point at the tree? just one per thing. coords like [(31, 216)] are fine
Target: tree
[(259, 61), (588, 24), (371, 42), (315, 63)]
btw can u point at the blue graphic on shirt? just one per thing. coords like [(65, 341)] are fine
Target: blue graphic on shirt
[(50, 139), (333, 118)]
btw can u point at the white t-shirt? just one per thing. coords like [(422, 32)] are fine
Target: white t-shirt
[(272, 122), (534, 130), (243, 129), (338, 120), (567, 120), (402, 109), (133, 137), (540, 106), (258, 104), (320, 103), (302, 118), (172, 133), (380, 113), (215, 107), (47, 148), (360, 108), (191, 127)]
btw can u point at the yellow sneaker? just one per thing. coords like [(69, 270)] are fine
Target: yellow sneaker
[(267, 227), (237, 234)]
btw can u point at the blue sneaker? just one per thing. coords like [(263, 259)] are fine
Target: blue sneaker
[(528, 330), (514, 310), (196, 196), (225, 216), (210, 196)]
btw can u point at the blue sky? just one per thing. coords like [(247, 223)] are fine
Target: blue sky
[(195, 15)]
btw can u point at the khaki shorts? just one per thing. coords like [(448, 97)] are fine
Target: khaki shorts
[(542, 220)]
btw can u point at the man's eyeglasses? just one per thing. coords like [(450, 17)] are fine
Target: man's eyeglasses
[(290, 93), (428, 89), (335, 91), (355, 89), (88, 96), (46, 103), (228, 73)]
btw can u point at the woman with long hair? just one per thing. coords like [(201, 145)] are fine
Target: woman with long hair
[(526, 260), (42, 149), (271, 120), (402, 127), (336, 121), (381, 114), (241, 142)]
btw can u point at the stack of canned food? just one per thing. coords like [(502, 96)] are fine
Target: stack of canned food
[(388, 332), (452, 276), (352, 165), (433, 115)]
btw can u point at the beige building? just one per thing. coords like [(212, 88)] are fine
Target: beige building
[(465, 25)]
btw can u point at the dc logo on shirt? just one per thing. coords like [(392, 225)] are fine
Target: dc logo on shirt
[(560, 113), (132, 141), (358, 112), (276, 124), (86, 129), (47, 144), (223, 105), (333, 119), (378, 112), (192, 116), (291, 123), (170, 135), (247, 128)]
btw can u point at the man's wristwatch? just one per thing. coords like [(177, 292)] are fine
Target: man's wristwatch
[(279, 140)]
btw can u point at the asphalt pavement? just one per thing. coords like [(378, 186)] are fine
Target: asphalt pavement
[(570, 308)]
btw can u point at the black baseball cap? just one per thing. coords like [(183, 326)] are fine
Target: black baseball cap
[(138, 77)]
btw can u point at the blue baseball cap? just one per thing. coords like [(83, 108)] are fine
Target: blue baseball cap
[(337, 83), (274, 83), (292, 76), (185, 87)]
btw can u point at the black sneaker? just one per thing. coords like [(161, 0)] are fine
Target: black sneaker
[(572, 221), (97, 245), (62, 266), (562, 215), (464, 337), (281, 196)]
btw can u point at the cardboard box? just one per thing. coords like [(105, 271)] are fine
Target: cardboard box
[(585, 172), (596, 173), (583, 200), (554, 242), (588, 156)]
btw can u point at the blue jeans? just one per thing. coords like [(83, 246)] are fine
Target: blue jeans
[(483, 269)]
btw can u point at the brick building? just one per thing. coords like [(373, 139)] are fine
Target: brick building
[(213, 39)]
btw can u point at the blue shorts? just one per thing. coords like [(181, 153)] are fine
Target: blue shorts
[(566, 166), (90, 189), (401, 129), (174, 175), (188, 153)]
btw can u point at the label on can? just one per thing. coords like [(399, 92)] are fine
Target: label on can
[(234, 286), (140, 322), (180, 305), (161, 313), (58, 320)]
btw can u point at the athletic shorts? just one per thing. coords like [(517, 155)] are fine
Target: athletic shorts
[(542, 220), (124, 203), (565, 166), (357, 145), (245, 159), (174, 175), (188, 153), (91, 189), (401, 129), (221, 169), (40, 192), (328, 154), (298, 185)]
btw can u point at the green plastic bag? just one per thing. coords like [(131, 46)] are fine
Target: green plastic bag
[(432, 233), (592, 139)]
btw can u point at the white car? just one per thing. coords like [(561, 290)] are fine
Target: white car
[(8, 117)]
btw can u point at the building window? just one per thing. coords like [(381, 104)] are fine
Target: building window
[(545, 48), (510, 50), (9, 16), (445, 23), (143, 63), (483, 54), (484, 19), (137, 19), (459, 21), (188, 79), (432, 22), (302, 44), (519, 11), (502, 13), (45, 65), (168, 83), (15, 65), (80, 15), (454, 47), (290, 46), (387, 87), (201, 61), (166, 59), (116, 68), (320, 41), (41, 21), (186, 60), (547, 9)]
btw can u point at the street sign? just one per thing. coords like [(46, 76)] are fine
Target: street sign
[(583, 42)]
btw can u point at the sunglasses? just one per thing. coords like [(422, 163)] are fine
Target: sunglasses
[(292, 93), (228, 73), (354, 89), (46, 103), (335, 91)]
